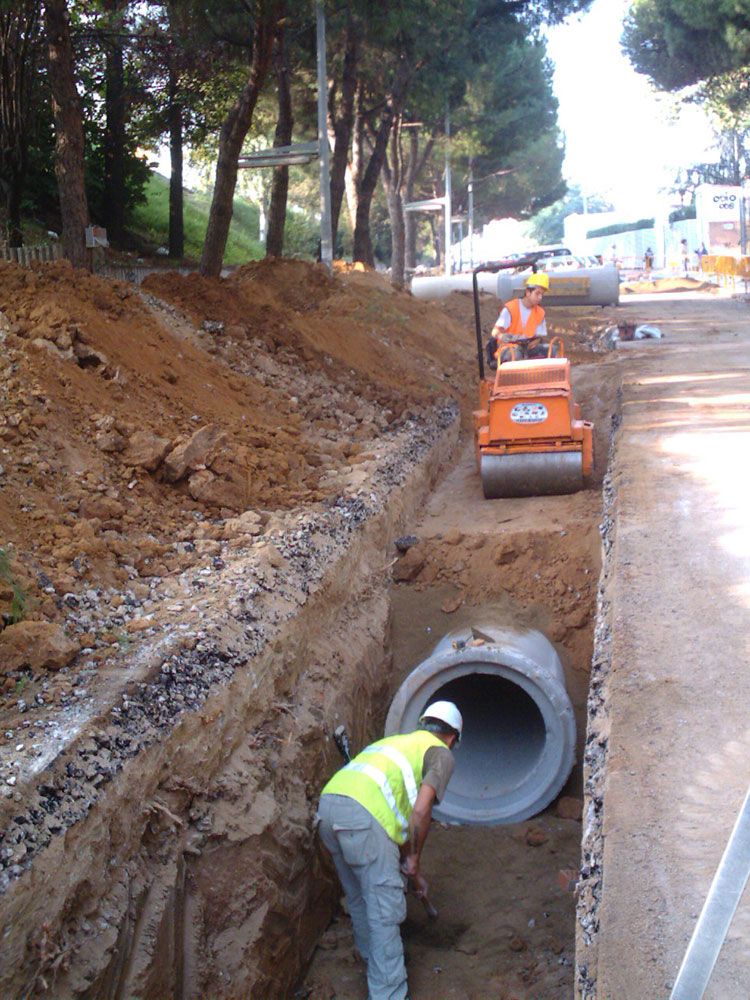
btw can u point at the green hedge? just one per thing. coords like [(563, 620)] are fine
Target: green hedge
[(621, 227)]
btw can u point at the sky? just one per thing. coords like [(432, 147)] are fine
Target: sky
[(621, 138)]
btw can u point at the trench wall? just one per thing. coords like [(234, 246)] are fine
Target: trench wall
[(168, 847), (595, 751)]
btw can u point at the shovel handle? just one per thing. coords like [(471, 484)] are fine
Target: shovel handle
[(429, 909), (423, 898)]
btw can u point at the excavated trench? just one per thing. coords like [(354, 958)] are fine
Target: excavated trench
[(495, 605), (174, 855), (505, 918)]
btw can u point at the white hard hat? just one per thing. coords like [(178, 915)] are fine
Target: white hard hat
[(446, 712)]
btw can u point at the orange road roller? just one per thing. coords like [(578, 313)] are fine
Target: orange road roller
[(530, 437)]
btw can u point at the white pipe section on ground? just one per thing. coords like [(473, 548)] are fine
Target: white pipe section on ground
[(594, 286), (518, 744), (441, 286)]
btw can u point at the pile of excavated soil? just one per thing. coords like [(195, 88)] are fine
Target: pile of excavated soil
[(136, 429), (391, 346), (141, 434)]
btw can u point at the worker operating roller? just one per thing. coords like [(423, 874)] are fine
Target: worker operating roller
[(375, 815), (529, 434), (522, 324)]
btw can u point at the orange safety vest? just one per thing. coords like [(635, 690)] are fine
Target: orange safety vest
[(536, 316)]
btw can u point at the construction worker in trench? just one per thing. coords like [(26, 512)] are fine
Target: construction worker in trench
[(374, 817), (521, 322)]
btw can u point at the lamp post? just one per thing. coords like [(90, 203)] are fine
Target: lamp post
[(471, 214), (448, 194), (326, 236)]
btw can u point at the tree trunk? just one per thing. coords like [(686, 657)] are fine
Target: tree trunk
[(231, 137), (354, 168), (392, 175), (66, 109), (341, 124), (410, 242), (437, 239), (394, 105), (413, 169), (176, 194), (282, 137), (19, 49), (114, 131)]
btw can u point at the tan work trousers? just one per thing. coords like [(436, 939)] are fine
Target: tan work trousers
[(367, 863)]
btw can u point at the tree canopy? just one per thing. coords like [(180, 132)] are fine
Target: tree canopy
[(682, 42), (701, 50), (220, 76)]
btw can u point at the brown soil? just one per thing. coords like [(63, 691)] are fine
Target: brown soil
[(300, 375), (504, 925), (307, 386)]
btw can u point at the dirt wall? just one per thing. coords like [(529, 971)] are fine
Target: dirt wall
[(152, 815)]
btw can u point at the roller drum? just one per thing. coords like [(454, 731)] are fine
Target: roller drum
[(531, 474)]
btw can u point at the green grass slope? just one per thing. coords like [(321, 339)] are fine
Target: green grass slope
[(150, 222)]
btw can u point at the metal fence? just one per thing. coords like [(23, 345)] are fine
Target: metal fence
[(727, 270), (29, 255), (133, 273)]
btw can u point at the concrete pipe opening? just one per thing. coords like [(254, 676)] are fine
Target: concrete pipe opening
[(519, 735)]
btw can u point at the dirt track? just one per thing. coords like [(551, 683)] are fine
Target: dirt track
[(668, 765)]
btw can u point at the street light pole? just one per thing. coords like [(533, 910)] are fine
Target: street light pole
[(448, 193), (471, 214), (326, 237)]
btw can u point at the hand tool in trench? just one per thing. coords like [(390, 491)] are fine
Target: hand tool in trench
[(341, 739)]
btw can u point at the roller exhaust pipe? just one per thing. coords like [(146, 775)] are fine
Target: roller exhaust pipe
[(518, 745)]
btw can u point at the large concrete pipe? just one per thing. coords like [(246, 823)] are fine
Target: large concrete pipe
[(586, 286), (440, 286), (519, 732)]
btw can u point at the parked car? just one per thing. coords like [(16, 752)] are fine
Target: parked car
[(568, 262), (544, 253)]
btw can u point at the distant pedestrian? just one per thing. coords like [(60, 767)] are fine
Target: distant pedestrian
[(648, 260), (685, 255)]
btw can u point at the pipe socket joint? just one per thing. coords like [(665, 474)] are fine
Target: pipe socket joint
[(518, 743)]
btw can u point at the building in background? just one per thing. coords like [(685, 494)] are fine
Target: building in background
[(718, 208)]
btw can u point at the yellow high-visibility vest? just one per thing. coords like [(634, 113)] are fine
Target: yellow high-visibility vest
[(385, 779)]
